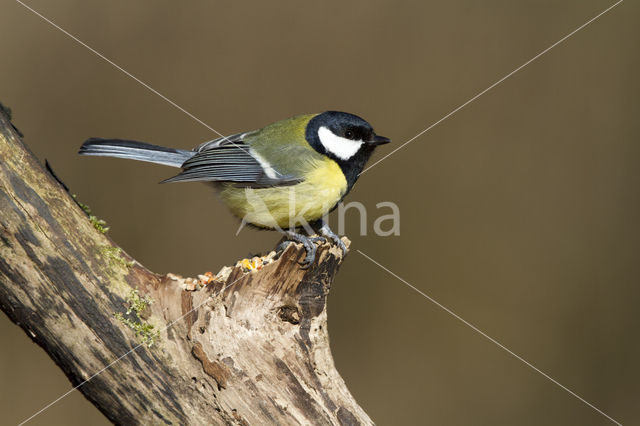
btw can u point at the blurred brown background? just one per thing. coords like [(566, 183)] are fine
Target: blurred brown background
[(520, 212)]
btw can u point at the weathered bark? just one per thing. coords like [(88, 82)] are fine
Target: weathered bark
[(246, 348)]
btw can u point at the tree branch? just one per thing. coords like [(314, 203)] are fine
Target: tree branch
[(246, 346)]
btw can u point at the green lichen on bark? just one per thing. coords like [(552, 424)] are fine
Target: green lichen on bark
[(99, 224), (114, 256), (134, 318)]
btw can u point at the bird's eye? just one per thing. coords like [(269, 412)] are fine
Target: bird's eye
[(348, 134)]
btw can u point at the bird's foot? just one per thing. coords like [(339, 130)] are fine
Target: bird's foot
[(307, 242), (327, 233)]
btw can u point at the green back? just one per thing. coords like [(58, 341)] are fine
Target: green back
[(283, 144)]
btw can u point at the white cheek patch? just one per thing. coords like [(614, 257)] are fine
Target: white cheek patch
[(342, 148)]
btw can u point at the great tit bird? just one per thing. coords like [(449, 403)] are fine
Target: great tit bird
[(285, 176)]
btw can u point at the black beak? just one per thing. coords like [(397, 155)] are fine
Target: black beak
[(378, 140)]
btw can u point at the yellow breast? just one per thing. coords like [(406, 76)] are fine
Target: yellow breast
[(289, 206)]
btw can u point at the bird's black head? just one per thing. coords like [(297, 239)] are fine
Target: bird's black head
[(345, 138)]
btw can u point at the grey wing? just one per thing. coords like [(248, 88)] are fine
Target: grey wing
[(230, 159)]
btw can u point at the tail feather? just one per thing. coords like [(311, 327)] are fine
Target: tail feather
[(133, 150)]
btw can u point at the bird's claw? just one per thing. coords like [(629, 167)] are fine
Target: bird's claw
[(307, 242), (310, 253), (329, 234), (341, 245)]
